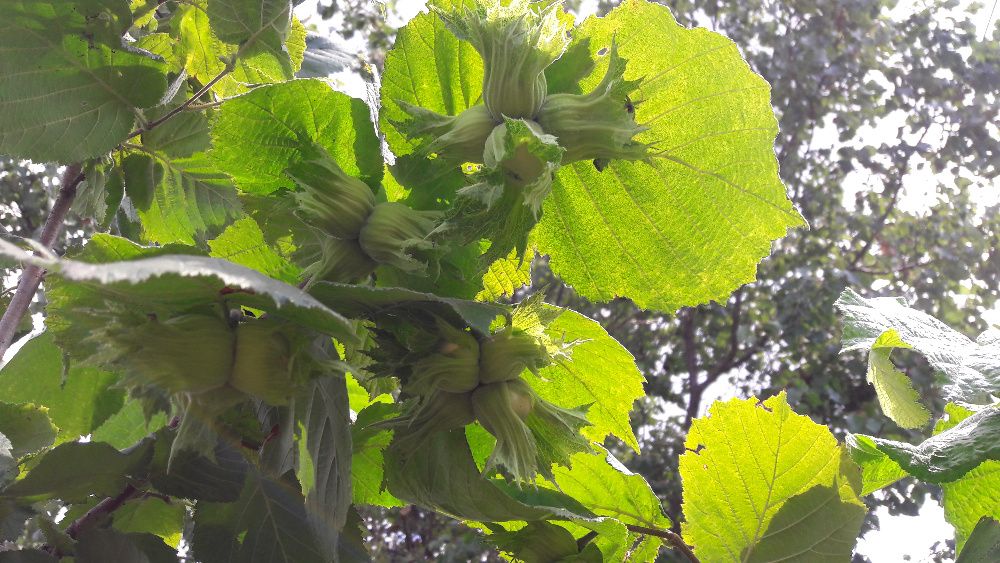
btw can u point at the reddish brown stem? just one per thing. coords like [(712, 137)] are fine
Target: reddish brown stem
[(673, 539), (31, 275)]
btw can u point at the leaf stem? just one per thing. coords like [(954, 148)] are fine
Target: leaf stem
[(201, 92), (101, 510), (673, 539), (31, 275)]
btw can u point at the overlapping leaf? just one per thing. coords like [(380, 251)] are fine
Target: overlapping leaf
[(949, 454), (202, 54), (326, 425), (189, 199), (691, 224), (267, 524), (243, 243), (77, 405), (972, 368), (74, 470), (368, 302), (68, 91), (751, 473), (258, 135), (601, 375), (430, 68), (148, 278), (976, 494)]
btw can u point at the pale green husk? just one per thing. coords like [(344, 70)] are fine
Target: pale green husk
[(598, 125), (498, 408), (517, 42), (454, 368), (187, 353), (459, 138), (507, 353), (395, 234), (339, 260), (329, 199)]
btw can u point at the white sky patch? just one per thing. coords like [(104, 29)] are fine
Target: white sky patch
[(906, 538)]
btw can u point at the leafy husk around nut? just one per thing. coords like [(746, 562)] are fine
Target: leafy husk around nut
[(517, 42), (453, 367), (338, 260), (600, 124), (329, 199), (502, 408), (186, 353), (396, 235), (507, 353), (458, 138)]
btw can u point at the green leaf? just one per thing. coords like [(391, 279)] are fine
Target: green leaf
[(972, 368), (192, 199), (539, 542), (367, 461), (983, 545), (27, 426), (65, 98), (258, 135), (899, 400), (601, 373), (271, 518), (12, 518), (174, 282), (77, 405), (100, 194), (430, 68), (154, 516), (326, 421), (817, 525), (602, 484), (690, 225), (745, 462), (259, 27), (952, 453), (457, 488), (141, 175), (877, 469), (101, 546), (128, 426), (357, 301), (193, 476), (243, 243), (184, 134), (504, 277), (976, 494), (968, 499), (75, 470), (201, 53)]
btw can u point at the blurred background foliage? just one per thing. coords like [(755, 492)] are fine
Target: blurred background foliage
[(890, 148)]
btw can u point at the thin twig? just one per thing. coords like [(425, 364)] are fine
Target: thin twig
[(201, 92), (31, 275), (673, 539), (101, 510)]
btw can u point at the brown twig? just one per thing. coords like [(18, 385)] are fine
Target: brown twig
[(672, 538), (31, 275), (101, 510), (201, 92)]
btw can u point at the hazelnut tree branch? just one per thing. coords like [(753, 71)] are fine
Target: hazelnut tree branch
[(31, 275), (672, 538)]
